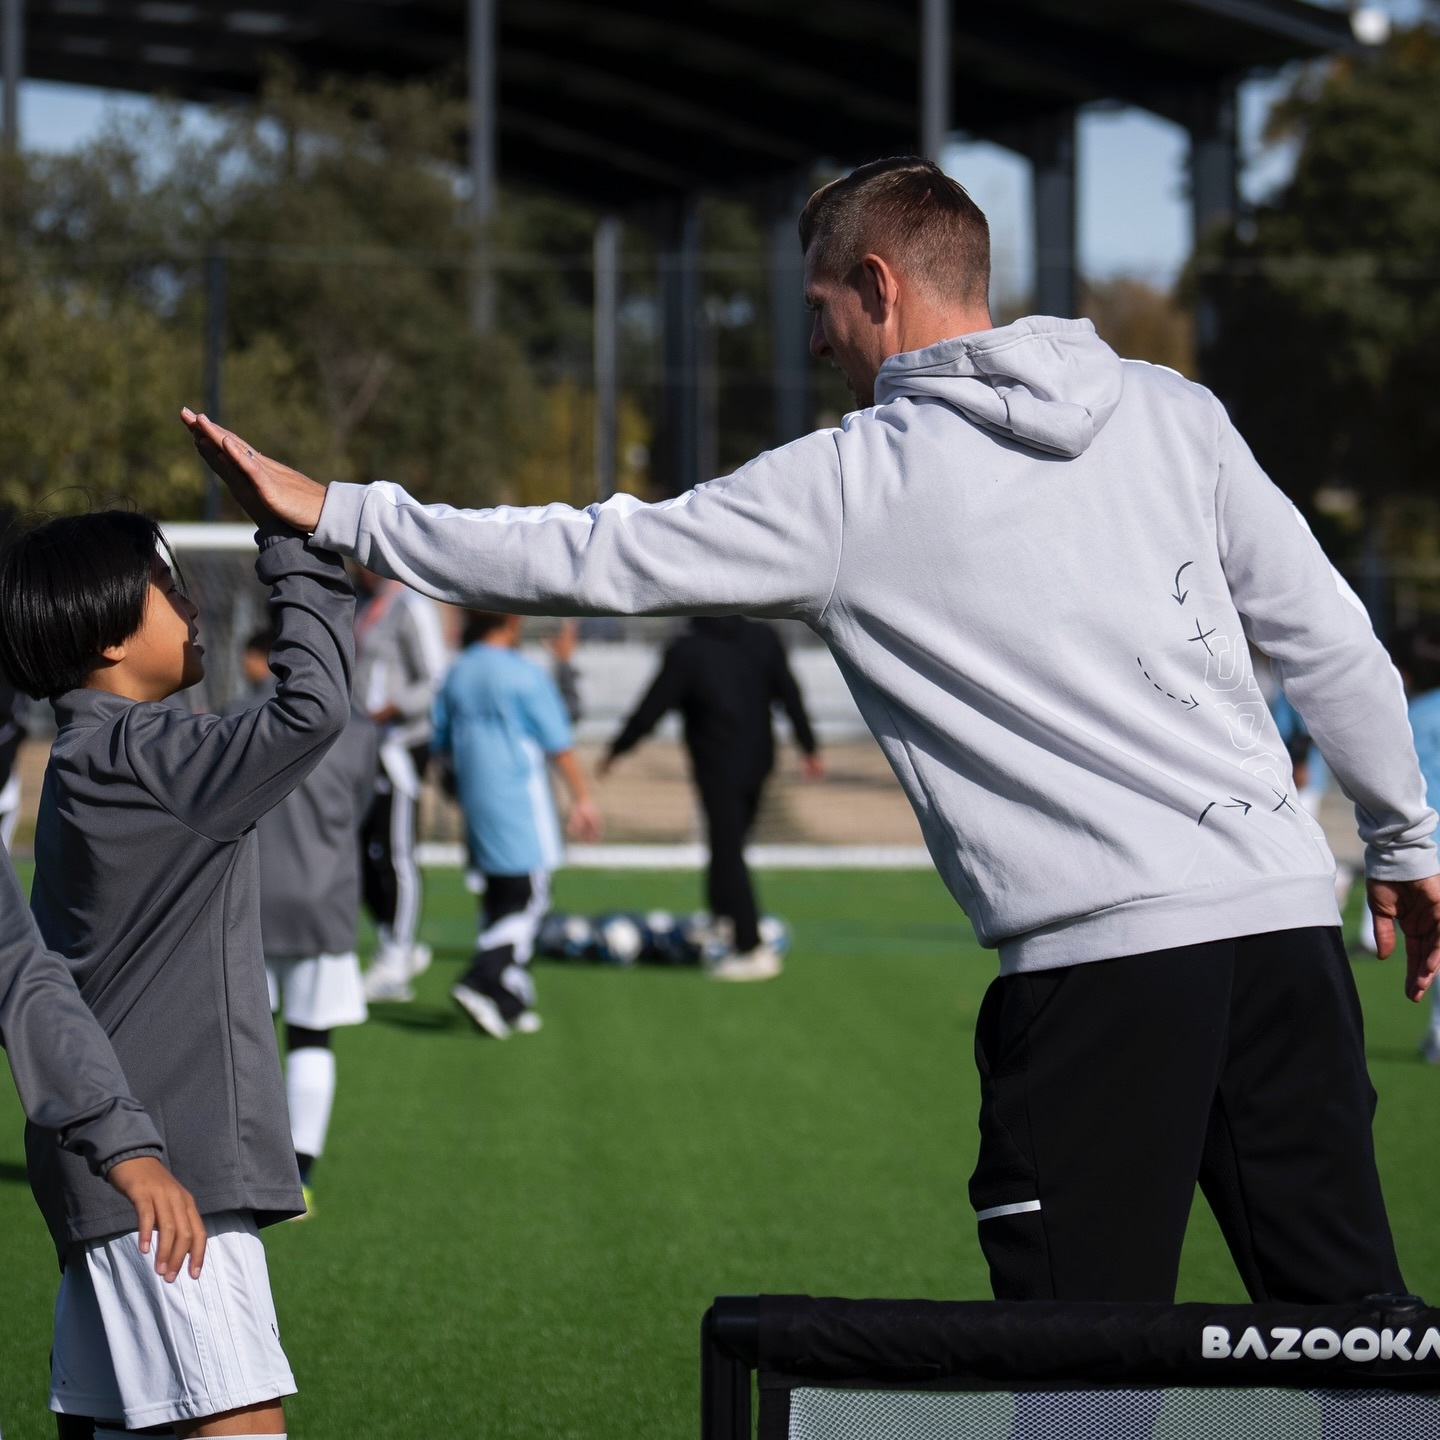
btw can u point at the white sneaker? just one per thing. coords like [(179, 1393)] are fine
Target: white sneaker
[(1430, 1048), (420, 958), (382, 982), (482, 1010), (761, 963), (527, 1022)]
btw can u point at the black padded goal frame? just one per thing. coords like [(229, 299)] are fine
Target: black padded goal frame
[(796, 1341)]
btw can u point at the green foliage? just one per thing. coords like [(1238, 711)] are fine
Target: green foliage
[(1328, 304), (349, 267)]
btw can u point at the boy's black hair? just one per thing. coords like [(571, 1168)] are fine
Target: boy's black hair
[(479, 624), (69, 588)]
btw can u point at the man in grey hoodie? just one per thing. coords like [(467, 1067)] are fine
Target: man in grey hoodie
[(1038, 567)]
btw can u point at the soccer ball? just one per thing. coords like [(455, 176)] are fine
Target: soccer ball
[(621, 939), (775, 933), (580, 940), (663, 941), (550, 938)]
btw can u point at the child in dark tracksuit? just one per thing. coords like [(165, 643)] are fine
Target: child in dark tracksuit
[(146, 882)]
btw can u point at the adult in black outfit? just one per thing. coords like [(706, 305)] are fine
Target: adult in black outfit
[(725, 674)]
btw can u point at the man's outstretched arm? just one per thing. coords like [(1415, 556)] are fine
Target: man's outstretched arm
[(763, 541)]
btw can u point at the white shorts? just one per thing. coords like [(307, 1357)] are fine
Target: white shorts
[(128, 1346), (319, 992)]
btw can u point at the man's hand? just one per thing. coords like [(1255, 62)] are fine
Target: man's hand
[(166, 1212), (265, 489), (1413, 905)]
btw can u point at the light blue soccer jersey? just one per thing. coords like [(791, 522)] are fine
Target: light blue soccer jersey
[(500, 716), (1425, 722)]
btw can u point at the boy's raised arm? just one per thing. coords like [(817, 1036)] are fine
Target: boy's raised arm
[(220, 774)]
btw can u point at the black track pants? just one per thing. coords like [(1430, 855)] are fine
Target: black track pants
[(730, 808), (1109, 1089)]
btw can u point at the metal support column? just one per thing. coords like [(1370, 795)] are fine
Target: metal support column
[(678, 438), (934, 77), (607, 353), (1214, 187), (214, 364), (1052, 150), (12, 68), (482, 158), (790, 321)]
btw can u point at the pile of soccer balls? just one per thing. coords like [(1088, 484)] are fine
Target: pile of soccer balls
[(657, 938)]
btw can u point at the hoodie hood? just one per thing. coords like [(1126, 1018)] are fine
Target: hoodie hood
[(1048, 383)]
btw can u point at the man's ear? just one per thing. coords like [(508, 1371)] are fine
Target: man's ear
[(879, 287)]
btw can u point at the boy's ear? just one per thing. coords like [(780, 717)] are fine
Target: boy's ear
[(113, 653)]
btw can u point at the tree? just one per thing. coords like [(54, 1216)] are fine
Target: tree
[(1327, 303), (340, 214)]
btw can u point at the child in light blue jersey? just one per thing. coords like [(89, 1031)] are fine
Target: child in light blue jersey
[(502, 722)]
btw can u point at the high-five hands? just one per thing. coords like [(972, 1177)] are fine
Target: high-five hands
[(265, 489), (1413, 906), (165, 1212)]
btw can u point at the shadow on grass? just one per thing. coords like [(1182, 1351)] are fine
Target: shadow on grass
[(1408, 1055), (417, 1017), (12, 1174)]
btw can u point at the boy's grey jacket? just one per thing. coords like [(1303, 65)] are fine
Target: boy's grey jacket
[(65, 1069), (1037, 566), (147, 882), (310, 846)]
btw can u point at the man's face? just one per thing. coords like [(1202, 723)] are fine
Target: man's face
[(847, 329)]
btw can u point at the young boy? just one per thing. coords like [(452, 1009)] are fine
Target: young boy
[(309, 909), (146, 882), (501, 718)]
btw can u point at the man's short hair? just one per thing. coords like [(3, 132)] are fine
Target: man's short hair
[(70, 588), (479, 624), (911, 213), (262, 642)]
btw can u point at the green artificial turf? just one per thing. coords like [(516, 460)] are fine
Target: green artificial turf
[(519, 1239)]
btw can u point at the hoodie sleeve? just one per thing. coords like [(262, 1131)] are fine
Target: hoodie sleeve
[(763, 541), (1301, 614), (69, 1080), (220, 774)]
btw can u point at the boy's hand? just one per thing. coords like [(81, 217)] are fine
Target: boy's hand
[(166, 1212), (265, 489), (584, 824), (1413, 905)]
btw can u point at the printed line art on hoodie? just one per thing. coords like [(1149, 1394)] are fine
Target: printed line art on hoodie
[(1178, 595), (1203, 636), (1190, 703)]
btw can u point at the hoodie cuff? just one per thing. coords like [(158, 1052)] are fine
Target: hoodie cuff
[(339, 527), (1399, 863), (108, 1164)]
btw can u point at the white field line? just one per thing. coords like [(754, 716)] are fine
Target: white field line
[(440, 855)]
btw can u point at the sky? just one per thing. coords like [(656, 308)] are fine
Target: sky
[(1134, 216)]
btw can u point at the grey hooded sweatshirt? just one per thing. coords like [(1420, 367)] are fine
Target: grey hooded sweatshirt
[(1037, 566), (147, 882)]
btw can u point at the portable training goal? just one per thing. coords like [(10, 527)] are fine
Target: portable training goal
[(984, 1370)]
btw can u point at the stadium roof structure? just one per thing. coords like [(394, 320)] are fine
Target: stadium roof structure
[(615, 101), (642, 105)]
